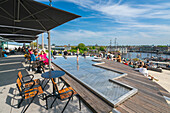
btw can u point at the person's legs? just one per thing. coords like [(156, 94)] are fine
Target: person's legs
[(153, 78)]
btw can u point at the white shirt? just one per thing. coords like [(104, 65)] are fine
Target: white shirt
[(7, 51), (144, 71)]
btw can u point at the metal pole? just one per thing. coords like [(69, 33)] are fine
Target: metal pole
[(24, 45), (37, 44), (0, 49), (49, 49), (42, 41), (32, 45), (49, 46)]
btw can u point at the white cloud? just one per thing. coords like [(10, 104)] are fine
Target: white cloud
[(120, 11), (128, 15), (116, 9)]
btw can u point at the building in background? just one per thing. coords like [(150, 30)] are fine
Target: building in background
[(12, 46), (116, 49), (61, 48)]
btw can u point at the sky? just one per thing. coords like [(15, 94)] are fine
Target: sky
[(132, 22)]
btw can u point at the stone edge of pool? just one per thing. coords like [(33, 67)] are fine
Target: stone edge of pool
[(115, 102)]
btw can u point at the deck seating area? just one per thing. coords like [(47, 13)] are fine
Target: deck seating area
[(13, 71)]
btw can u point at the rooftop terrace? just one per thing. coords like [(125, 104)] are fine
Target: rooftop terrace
[(150, 96)]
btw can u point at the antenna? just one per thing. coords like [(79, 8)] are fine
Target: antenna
[(50, 2), (115, 43), (110, 44)]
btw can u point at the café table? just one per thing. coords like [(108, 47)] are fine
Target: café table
[(53, 74)]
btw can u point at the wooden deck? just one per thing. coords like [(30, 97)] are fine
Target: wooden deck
[(148, 99), (150, 94)]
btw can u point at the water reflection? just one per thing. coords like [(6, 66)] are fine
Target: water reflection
[(132, 55)]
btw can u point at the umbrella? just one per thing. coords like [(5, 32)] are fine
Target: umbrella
[(28, 17)]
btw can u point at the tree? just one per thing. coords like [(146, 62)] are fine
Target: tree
[(90, 47), (81, 46), (85, 49), (53, 44), (101, 48), (93, 47), (33, 43)]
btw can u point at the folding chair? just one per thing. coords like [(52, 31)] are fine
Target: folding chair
[(28, 82), (28, 93), (63, 94)]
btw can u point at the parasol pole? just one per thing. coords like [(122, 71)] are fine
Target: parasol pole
[(49, 49)]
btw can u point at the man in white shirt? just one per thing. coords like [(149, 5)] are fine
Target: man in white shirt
[(144, 71)]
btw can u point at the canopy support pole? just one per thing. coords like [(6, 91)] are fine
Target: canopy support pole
[(42, 41), (24, 45), (49, 49), (32, 47), (37, 44)]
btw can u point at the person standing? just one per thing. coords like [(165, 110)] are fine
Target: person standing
[(78, 52), (78, 55)]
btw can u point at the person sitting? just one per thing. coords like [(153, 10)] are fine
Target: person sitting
[(12, 52), (144, 71), (65, 53), (131, 64), (15, 49), (168, 66), (19, 49), (119, 58), (35, 57), (31, 51), (126, 63), (54, 52), (7, 51), (43, 56), (139, 68)]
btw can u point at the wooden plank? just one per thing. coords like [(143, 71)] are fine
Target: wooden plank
[(137, 108), (142, 105), (153, 104), (149, 97), (124, 109), (144, 90)]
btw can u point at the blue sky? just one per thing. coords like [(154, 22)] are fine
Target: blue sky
[(132, 22)]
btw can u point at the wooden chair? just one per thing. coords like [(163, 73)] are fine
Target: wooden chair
[(63, 94), (29, 92)]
